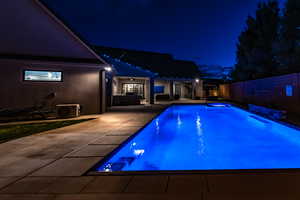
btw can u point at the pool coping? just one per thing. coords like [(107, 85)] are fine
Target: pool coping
[(92, 171)]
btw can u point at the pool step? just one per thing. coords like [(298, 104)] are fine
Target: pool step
[(258, 119), (150, 166), (116, 166), (120, 164), (127, 160)]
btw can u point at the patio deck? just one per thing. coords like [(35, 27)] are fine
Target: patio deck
[(51, 165)]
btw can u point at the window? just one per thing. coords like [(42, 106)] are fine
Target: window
[(159, 89), (50, 76), (289, 90), (133, 88)]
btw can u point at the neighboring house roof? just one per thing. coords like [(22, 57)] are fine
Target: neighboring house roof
[(126, 69), (163, 64), (215, 72), (31, 31)]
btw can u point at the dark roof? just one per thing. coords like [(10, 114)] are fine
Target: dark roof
[(163, 64), (36, 33), (126, 69), (50, 58)]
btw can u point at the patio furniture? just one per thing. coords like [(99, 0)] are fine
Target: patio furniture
[(126, 100), (162, 97)]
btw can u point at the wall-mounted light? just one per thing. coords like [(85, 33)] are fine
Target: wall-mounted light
[(108, 69), (197, 80)]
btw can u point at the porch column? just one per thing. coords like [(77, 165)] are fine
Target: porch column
[(171, 90), (109, 92), (102, 91), (193, 90), (151, 91), (197, 88)]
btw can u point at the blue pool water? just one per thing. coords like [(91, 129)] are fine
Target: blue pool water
[(200, 137)]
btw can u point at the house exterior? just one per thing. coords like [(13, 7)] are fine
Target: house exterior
[(174, 79), (44, 63), (130, 85)]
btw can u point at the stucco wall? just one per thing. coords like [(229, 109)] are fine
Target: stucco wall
[(268, 91), (164, 83), (185, 87), (81, 84)]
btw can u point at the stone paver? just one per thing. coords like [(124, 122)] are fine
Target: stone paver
[(20, 166), (127, 196), (118, 133), (67, 167), (252, 184), (67, 185), (262, 196), (27, 197), (4, 181), (111, 140), (107, 184), (93, 151), (147, 184), (28, 185), (187, 184)]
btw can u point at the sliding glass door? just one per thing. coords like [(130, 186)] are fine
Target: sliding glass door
[(133, 89)]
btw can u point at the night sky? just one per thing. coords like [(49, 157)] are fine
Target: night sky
[(204, 31)]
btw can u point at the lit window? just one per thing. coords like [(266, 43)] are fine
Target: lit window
[(32, 75), (133, 89), (289, 90)]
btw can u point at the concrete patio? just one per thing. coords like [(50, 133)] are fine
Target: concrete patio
[(51, 165)]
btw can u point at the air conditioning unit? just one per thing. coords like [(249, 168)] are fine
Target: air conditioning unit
[(68, 110)]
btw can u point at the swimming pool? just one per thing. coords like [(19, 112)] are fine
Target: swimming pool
[(207, 137)]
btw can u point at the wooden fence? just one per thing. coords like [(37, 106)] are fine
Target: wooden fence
[(281, 92)]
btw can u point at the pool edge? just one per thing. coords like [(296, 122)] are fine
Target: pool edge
[(92, 171)]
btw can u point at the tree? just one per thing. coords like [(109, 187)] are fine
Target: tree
[(244, 68), (256, 57), (289, 53)]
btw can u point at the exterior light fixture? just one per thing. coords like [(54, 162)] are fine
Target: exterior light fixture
[(108, 69), (197, 80)]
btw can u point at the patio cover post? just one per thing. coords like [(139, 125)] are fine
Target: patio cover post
[(109, 90), (151, 97), (171, 90), (102, 83), (197, 89), (193, 89)]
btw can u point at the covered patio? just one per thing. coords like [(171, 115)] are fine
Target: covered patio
[(129, 84), (167, 88), (133, 85)]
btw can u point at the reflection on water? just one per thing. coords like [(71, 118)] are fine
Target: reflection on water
[(200, 135), (157, 125), (179, 122)]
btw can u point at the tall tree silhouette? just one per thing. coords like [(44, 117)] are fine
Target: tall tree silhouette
[(256, 57), (289, 53)]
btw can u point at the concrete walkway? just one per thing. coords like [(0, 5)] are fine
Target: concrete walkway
[(51, 165)]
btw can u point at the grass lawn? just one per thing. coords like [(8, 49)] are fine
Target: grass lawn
[(10, 132)]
